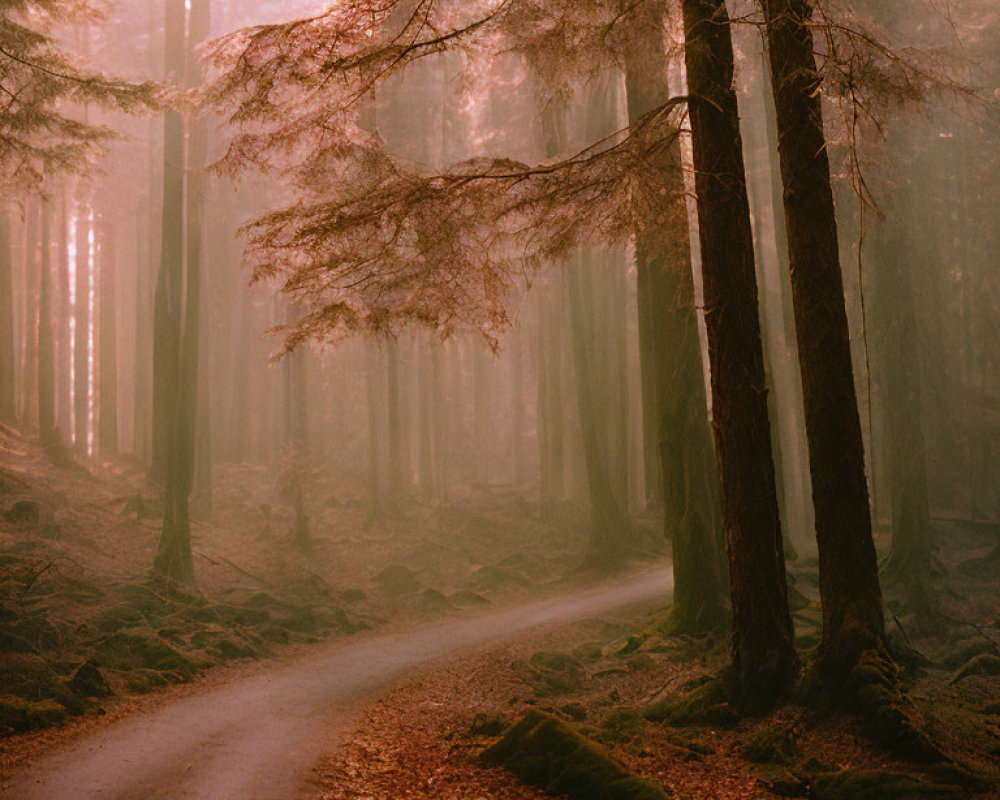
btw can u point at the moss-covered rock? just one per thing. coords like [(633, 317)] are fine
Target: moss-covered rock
[(871, 785), (88, 681), (552, 673), (139, 649), (772, 745), (546, 752), (18, 715), (782, 781), (707, 704), (29, 677), (622, 724)]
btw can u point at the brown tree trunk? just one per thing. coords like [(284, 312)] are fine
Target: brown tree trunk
[(81, 316), (46, 338), (108, 338), (672, 374), (8, 402), (764, 658), (849, 587)]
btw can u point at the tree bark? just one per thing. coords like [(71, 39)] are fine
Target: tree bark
[(46, 339), (8, 400), (849, 586), (764, 659), (670, 355), (108, 350)]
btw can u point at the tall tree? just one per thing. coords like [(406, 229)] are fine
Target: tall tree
[(8, 403), (764, 659), (673, 387), (849, 588), (46, 336)]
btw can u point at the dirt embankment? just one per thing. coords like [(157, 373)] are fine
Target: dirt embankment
[(81, 623)]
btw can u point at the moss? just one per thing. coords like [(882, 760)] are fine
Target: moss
[(621, 725), (707, 704), (552, 673), (984, 664), (589, 653), (863, 785), (782, 781), (545, 752), (774, 745), (18, 714), (137, 649)]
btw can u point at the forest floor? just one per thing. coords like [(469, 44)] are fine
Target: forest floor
[(423, 740), (84, 631)]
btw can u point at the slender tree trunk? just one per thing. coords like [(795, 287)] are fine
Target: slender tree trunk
[(374, 403), (29, 305), (609, 528), (849, 587), (46, 339), (81, 330), (764, 659), (108, 337), (396, 465), (8, 402)]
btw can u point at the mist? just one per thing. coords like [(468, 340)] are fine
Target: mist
[(499, 399)]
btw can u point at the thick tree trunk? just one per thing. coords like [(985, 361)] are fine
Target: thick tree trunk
[(764, 658), (911, 562), (671, 371), (849, 587)]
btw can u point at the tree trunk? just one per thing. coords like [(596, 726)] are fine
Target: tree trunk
[(764, 659), (911, 562), (81, 330), (46, 338), (672, 372), (849, 587), (108, 338), (609, 528), (8, 401)]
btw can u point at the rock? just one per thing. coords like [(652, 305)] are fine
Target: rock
[(782, 782), (432, 601), (19, 715), (622, 725), (774, 745), (398, 580), (553, 673), (88, 681), (138, 649), (29, 677), (547, 753), (24, 512), (865, 785), (589, 653), (352, 596)]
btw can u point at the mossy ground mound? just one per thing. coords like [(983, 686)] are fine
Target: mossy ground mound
[(865, 785), (546, 752)]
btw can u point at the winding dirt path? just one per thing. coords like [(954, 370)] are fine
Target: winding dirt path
[(259, 737)]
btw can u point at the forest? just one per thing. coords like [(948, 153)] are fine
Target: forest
[(499, 399)]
